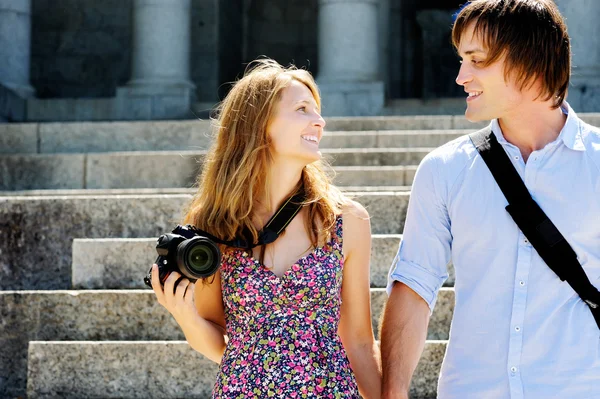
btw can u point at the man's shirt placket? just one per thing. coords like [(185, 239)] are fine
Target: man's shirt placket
[(521, 284)]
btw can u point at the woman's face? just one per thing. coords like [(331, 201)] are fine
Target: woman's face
[(296, 126)]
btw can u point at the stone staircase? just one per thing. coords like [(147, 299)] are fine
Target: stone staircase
[(81, 205)]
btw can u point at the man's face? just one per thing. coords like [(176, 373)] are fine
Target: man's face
[(489, 95)]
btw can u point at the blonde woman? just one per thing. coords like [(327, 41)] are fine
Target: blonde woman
[(292, 318)]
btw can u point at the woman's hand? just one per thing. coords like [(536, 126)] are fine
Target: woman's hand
[(204, 328), (177, 295)]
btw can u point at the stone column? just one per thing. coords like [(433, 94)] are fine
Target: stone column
[(349, 57), (160, 72), (15, 46), (582, 23)]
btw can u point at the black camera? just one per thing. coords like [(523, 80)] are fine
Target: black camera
[(187, 252)]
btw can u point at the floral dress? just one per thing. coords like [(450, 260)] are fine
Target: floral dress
[(283, 340)]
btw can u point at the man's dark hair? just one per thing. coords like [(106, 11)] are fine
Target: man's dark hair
[(531, 34)]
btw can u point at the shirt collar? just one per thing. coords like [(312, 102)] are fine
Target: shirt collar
[(570, 133)]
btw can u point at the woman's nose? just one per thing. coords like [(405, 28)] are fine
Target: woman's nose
[(319, 121)]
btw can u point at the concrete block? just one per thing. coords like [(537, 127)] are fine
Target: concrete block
[(111, 262), (352, 99), (375, 156), (416, 138), (592, 118), (132, 108), (143, 169), (118, 263), (36, 253), (109, 315), (197, 135), (70, 109), (425, 379), (105, 263), (419, 122), (13, 107), (386, 209), (168, 169), (118, 370), (124, 136), (373, 175), (30, 171), (333, 139), (16, 138), (121, 369), (36, 250)]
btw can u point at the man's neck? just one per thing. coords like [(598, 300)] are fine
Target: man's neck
[(532, 129)]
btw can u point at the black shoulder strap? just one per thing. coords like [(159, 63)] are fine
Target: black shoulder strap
[(280, 220), (270, 232), (533, 222)]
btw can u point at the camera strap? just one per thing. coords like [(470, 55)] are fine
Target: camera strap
[(271, 231), (533, 222)]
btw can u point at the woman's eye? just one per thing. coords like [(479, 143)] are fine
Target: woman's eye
[(302, 108)]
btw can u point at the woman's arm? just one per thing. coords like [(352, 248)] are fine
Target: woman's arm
[(355, 329), (198, 309)]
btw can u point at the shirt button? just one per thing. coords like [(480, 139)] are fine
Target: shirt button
[(521, 283), (513, 369), (516, 158), (526, 241), (517, 328)]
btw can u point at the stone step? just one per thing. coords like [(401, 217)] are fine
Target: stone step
[(185, 135), (89, 137), (179, 168), (94, 192), (37, 232), (73, 137), (122, 370), (116, 263), (135, 315), (117, 315), (421, 122)]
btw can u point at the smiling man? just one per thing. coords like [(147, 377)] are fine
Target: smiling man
[(518, 331)]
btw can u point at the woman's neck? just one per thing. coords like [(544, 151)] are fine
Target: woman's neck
[(282, 181)]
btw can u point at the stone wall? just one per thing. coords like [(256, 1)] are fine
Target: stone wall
[(284, 30), (231, 43), (204, 69), (406, 52), (82, 48)]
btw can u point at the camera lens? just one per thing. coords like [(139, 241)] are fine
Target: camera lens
[(198, 257)]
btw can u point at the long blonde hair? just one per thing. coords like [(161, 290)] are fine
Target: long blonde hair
[(234, 174)]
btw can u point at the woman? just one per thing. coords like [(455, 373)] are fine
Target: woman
[(291, 318)]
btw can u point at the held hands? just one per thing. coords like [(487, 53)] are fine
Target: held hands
[(177, 295)]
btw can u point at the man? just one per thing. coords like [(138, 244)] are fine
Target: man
[(518, 331)]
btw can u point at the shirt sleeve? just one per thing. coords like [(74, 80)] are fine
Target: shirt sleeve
[(424, 252)]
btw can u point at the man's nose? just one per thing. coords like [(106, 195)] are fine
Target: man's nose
[(464, 75)]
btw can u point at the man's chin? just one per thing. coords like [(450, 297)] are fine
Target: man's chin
[(474, 116)]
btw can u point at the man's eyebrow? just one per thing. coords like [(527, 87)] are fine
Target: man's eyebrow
[(474, 51)]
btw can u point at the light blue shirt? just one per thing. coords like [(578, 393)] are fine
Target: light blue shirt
[(518, 331)]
